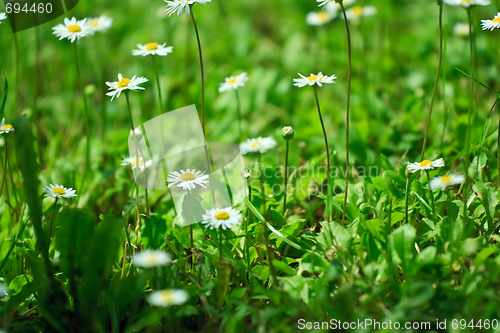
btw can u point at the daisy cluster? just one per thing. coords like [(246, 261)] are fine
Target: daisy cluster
[(73, 29), (331, 9), (440, 182)]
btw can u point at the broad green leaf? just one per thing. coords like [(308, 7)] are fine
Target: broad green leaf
[(402, 245)]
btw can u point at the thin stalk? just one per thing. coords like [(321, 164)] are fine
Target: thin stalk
[(247, 222), (498, 151), (238, 109), (436, 82), (4, 168), (328, 199), (431, 195), (16, 52), (262, 188), (191, 238), (52, 219), (286, 176), (347, 117), (202, 72), (407, 188), (445, 104), (220, 244), (160, 100)]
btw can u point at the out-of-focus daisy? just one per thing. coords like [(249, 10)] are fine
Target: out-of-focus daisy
[(124, 84), (3, 290), (257, 145), (223, 218), (136, 162), (168, 297), (331, 6), (356, 12), (59, 191), (100, 24), (491, 24), (3, 16), (5, 128), (319, 18), (72, 29), (153, 49), (312, 79), (151, 258), (467, 3), (182, 6), (233, 82), (461, 30), (187, 179), (442, 182), (425, 165)]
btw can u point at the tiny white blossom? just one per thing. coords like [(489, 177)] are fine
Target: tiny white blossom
[(257, 145), (151, 258), (124, 84), (233, 82), (152, 49), (425, 165), (442, 182), (491, 24), (59, 191), (182, 6), (223, 218), (313, 79), (168, 297), (72, 29)]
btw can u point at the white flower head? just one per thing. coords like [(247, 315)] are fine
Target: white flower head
[(257, 145), (223, 218), (461, 30), (168, 297), (59, 191), (3, 290), (100, 24), (442, 182), (151, 258), (333, 7), (182, 6), (319, 18), (3, 16), (153, 49), (136, 162), (233, 82), (356, 12), (425, 165), (187, 179), (124, 84), (313, 79), (5, 128), (491, 24), (72, 29), (467, 3)]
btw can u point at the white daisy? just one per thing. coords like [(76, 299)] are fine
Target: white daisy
[(5, 128), (257, 145), (124, 84), (312, 79), (331, 6), (58, 191), (442, 182), (153, 49), (425, 165), (233, 82), (461, 29), (182, 6), (187, 179), (467, 3), (168, 297), (319, 18), (3, 16), (100, 24), (3, 290), (134, 162), (72, 29), (223, 218), (151, 258), (491, 24), (356, 12)]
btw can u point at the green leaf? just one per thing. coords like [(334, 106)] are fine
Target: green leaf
[(154, 230), (3, 101), (489, 199), (402, 245)]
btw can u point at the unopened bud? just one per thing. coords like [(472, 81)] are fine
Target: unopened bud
[(246, 173), (287, 133)]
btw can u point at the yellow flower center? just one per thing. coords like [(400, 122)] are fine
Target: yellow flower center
[(232, 80), (425, 163), (254, 144), (312, 78), (7, 127), (188, 176), (221, 215), (151, 260), (446, 179), (59, 190), (465, 1), (123, 83), (323, 16), (151, 46), (74, 28), (496, 20), (167, 296), (357, 10), (94, 23), (136, 161)]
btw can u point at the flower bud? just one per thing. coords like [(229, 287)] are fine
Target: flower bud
[(287, 133), (246, 173)]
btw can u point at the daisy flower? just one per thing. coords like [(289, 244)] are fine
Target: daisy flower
[(233, 82), (182, 6), (258, 145), (187, 179), (223, 218), (5, 128), (151, 258), (134, 162), (319, 18), (357, 12), (312, 79), (461, 29), (100, 24), (124, 84), (467, 3), (152, 49), (3, 16), (58, 191), (445, 181), (425, 165), (72, 29), (168, 297), (491, 24), (331, 6)]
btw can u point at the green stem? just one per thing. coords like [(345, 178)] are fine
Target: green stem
[(262, 187), (160, 100), (349, 78), (238, 109), (436, 82), (407, 188), (220, 244), (431, 195), (202, 72), (5, 168), (16, 83), (52, 219), (247, 222), (286, 176)]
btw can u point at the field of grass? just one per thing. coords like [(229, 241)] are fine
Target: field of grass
[(390, 248)]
